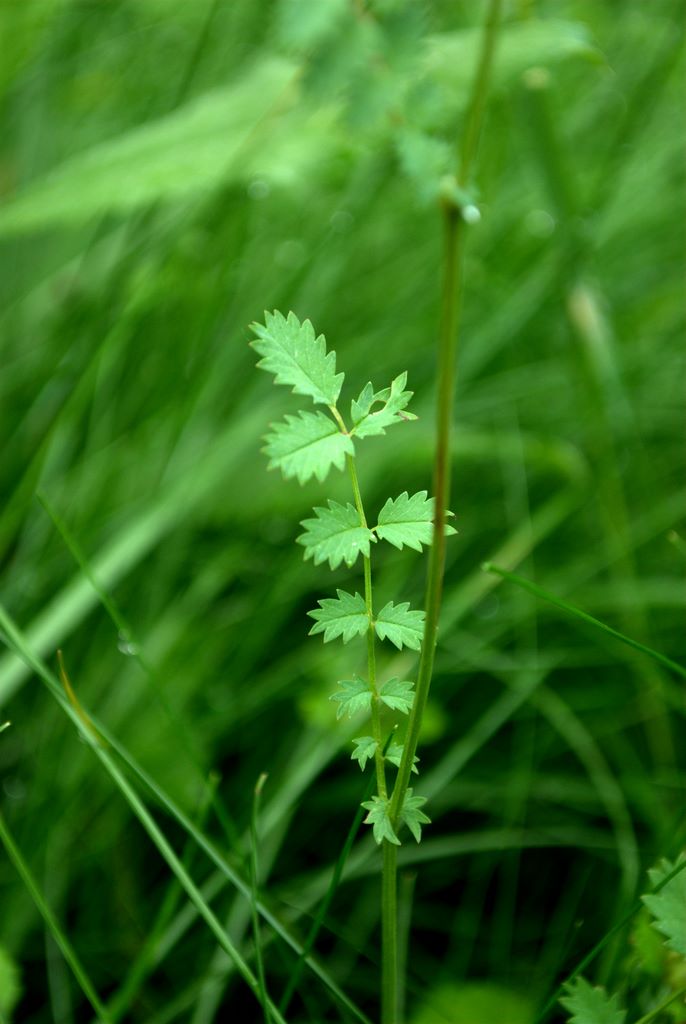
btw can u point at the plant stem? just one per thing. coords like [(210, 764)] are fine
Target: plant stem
[(453, 246), (371, 653), (254, 882), (663, 1006), (390, 989), (451, 301)]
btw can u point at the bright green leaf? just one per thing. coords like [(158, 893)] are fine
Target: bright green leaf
[(354, 696), (589, 1005), (668, 906), (336, 535), (394, 755), (379, 817), (411, 814), (307, 445), (400, 625), (397, 694), (368, 421), (408, 520), (365, 748), (297, 358), (344, 616)]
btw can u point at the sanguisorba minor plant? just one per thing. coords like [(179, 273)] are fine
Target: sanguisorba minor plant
[(308, 445)]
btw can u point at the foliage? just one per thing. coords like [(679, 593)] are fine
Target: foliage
[(667, 905), (589, 1005), (167, 171), (299, 359)]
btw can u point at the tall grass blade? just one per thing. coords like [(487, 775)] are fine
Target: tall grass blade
[(572, 610)]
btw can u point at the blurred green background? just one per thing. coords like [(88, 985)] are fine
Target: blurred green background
[(167, 172)]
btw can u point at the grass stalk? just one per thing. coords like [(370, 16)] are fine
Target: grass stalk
[(20, 646), (53, 925), (577, 613), (254, 883), (454, 225)]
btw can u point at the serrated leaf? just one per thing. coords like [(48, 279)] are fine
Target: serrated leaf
[(409, 520), (368, 421), (344, 616), (365, 748), (336, 534), (397, 695), (307, 445), (354, 696), (297, 358), (589, 1005), (411, 814), (379, 818), (394, 755), (668, 906), (400, 625)]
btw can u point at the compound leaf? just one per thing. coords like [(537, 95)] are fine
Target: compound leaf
[(290, 351), (394, 755), (589, 1005), (354, 696), (408, 520), (344, 616), (668, 906), (367, 421), (411, 814), (400, 625), (379, 818), (397, 694), (335, 534), (365, 748), (307, 445)]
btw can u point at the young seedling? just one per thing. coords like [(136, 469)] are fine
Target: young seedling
[(308, 445)]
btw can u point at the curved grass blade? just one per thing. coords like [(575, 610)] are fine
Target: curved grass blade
[(571, 609), (599, 946), (326, 902), (17, 643), (254, 876), (52, 923)]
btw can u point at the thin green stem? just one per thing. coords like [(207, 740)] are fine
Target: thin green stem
[(254, 881), (371, 653), (663, 1006), (318, 921), (451, 301), (52, 923), (389, 936)]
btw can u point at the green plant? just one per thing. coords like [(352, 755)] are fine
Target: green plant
[(309, 445)]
